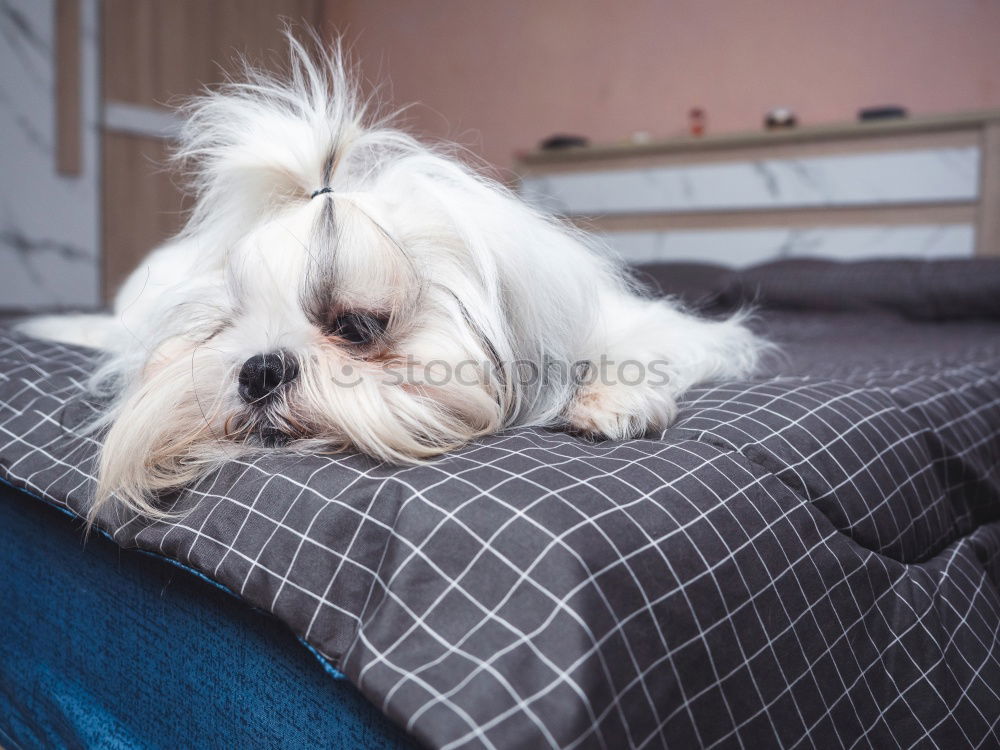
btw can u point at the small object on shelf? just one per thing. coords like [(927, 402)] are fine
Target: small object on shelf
[(779, 118), (885, 112), (640, 136), (561, 141), (696, 121)]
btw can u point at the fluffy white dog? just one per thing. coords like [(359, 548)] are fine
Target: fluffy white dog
[(340, 286)]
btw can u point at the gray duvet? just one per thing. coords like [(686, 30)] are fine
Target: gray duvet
[(810, 558)]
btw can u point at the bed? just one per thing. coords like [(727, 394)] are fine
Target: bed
[(807, 558)]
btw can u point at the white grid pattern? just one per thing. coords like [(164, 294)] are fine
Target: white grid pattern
[(805, 560)]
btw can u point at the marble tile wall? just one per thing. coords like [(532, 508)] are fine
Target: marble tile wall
[(49, 223), (912, 176), (739, 248)]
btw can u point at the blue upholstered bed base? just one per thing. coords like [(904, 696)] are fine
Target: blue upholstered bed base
[(115, 649)]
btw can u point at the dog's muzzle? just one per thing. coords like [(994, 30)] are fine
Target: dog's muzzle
[(263, 374)]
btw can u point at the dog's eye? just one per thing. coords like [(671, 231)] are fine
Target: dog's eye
[(357, 328)]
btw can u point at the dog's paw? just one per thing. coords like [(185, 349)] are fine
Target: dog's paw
[(41, 327), (95, 331), (620, 411)]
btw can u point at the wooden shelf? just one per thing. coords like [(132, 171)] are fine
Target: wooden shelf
[(838, 132)]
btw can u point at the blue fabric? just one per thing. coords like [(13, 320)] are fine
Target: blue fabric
[(106, 648)]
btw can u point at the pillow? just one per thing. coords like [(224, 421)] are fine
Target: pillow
[(922, 289), (693, 283)]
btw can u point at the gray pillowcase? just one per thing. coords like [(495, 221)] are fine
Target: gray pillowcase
[(925, 290)]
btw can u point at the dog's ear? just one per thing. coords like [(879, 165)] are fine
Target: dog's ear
[(528, 283)]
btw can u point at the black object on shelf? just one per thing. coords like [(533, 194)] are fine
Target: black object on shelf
[(780, 117), (887, 112), (561, 140)]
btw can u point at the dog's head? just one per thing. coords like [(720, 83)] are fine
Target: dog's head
[(343, 286)]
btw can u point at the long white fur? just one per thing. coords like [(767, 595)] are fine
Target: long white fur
[(465, 270)]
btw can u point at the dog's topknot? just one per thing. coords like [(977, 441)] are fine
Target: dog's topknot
[(268, 138)]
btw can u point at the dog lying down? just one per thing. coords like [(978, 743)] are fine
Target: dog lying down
[(341, 286)]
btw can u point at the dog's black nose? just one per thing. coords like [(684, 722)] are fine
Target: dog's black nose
[(262, 374)]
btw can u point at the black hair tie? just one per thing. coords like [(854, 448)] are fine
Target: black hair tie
[(320, 192)]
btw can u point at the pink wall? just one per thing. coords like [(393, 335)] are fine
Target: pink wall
[(497, 75)]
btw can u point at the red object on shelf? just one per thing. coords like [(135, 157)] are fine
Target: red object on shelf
[(696, 121)]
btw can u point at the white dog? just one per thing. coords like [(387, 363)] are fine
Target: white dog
[(340, 286)]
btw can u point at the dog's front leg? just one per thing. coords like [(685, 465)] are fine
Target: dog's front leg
[(643, 356)]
